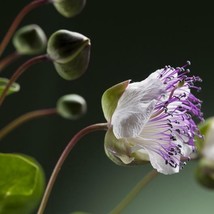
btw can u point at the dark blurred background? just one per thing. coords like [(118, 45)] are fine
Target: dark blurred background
[(129, 41)]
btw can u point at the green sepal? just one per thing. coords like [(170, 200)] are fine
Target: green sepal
[(22, 184), (15, 87), (119, 151), (110, 98), (69, 8)]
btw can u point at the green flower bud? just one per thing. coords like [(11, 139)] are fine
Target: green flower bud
[(205, 173), (70, 52), (120, 151), (205, 145), (15, 87), (71, 106), (30, 39), (69, 8)]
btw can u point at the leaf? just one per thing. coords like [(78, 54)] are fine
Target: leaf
[(110, 98), (21, 184), (15, 87)]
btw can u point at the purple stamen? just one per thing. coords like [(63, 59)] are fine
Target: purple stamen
[(176, 122)]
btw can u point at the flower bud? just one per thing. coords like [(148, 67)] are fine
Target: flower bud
[(15, 87), (30, 39), (205, 173), (70, 52), (69, 8), (205, 146), (120, 151), (71, 106)]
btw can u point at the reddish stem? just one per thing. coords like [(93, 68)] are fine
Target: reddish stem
[(64, 155), (24, 118), (8, 59), (32, 5), (20, 71)]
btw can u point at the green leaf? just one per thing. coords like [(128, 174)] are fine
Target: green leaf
[(13, 88), (21, 184), (110, 98)]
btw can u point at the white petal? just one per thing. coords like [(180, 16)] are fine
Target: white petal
[(136, 106), (128, 122), (159, 164)]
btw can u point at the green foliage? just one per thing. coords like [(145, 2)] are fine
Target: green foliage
[(15, 87), (21, 184)]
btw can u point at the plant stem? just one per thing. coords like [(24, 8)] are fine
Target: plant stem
[(64, 155), (9, 59), (32, 5), (24, 118), (133, 193), (19, 72)]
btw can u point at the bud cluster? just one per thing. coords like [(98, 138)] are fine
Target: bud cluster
[(22, 181)]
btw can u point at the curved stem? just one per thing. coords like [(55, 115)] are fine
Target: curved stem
[(64, 155), (24, 118), (9, 59), (19, 72), (133, 193), (32, 5)]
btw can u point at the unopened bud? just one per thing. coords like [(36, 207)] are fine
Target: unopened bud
[(69, 8), (70, 52), (71, 106), (30, 39), (205, 145), (205, 173)]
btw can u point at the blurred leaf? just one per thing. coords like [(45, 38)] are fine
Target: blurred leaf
[(13, 88), (21, 184)]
